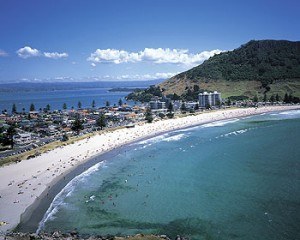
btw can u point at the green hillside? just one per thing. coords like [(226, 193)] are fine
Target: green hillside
[(257, 67)]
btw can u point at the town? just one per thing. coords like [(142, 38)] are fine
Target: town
[(24, 131)]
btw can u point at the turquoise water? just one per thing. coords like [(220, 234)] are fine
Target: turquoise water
[(234, 179)]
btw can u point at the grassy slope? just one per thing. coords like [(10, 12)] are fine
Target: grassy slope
[(228, 88)]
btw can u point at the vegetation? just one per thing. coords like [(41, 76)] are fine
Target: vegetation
[(65, 138), (32, 107), (101, 121), (8, 138), (145, 95), (155, 91), (148, 115), (14, 109), (120, 102), (79, 105), (77, 125)]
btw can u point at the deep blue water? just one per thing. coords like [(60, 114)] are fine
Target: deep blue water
[(56, 94), (234, 179)]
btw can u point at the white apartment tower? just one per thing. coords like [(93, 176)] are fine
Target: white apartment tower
[(209, 99)]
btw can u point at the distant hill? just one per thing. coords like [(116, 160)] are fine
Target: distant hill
[(257, 67)]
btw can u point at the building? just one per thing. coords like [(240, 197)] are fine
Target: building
[(22, 138), (157, 105), (209, 99), (216, 98)]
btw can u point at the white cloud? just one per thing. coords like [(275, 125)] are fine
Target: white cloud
[(156, 55), (27, 52), (3, 53), (93, 64), (113, 56), (134, 77), (55, 55)]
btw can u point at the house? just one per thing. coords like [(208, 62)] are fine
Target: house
[(22, 138)]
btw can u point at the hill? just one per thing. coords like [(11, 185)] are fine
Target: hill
[(255, 68)]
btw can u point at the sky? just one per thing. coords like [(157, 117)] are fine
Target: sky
[(94, 40)]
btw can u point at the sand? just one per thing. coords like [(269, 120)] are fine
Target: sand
[(21, 184)]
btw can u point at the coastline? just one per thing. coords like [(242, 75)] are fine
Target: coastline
[(24, 185)]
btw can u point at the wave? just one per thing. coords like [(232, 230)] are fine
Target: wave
[(152, 140), (238, 132), (174, 138), (187, 129), (58, 201), (291, 113), (220, 123)]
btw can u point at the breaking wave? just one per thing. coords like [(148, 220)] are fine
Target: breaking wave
[(220, 123)]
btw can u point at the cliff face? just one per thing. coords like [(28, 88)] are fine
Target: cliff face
[(270, 66)]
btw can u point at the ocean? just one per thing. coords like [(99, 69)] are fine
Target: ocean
[(56, 94), (233, 179)]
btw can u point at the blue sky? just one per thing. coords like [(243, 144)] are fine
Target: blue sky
[(130, 39)]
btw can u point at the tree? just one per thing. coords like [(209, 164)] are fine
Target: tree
[(183, 107), (272, 99), (265, 97), (79, 105), (277, 98), (48, 108), (286, 98), (32, 107), (77, 125), (170, 107), (11, 131), (228, 102), (148, 115), (161, 115), (107, 103), (120, 102), (101, 121), (291, 98), (196, 88), (64, 106), (93, 104), (255, 99), (14, 109), (64, 138), (170, 115)]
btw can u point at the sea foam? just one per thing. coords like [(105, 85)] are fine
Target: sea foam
[(220, 123), (174, 138)]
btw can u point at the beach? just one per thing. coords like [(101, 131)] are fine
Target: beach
[(23, 183)]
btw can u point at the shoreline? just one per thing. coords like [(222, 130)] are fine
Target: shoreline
[(29, 187)]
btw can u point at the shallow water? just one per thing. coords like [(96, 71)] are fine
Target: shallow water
[(234, 179)]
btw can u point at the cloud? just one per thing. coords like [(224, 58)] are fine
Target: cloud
[(3, 53), (113, 56), (155, 55), (55, 55), (27, 52), (135, 77)]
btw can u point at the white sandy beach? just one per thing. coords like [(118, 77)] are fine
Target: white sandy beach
[(23, 182)]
